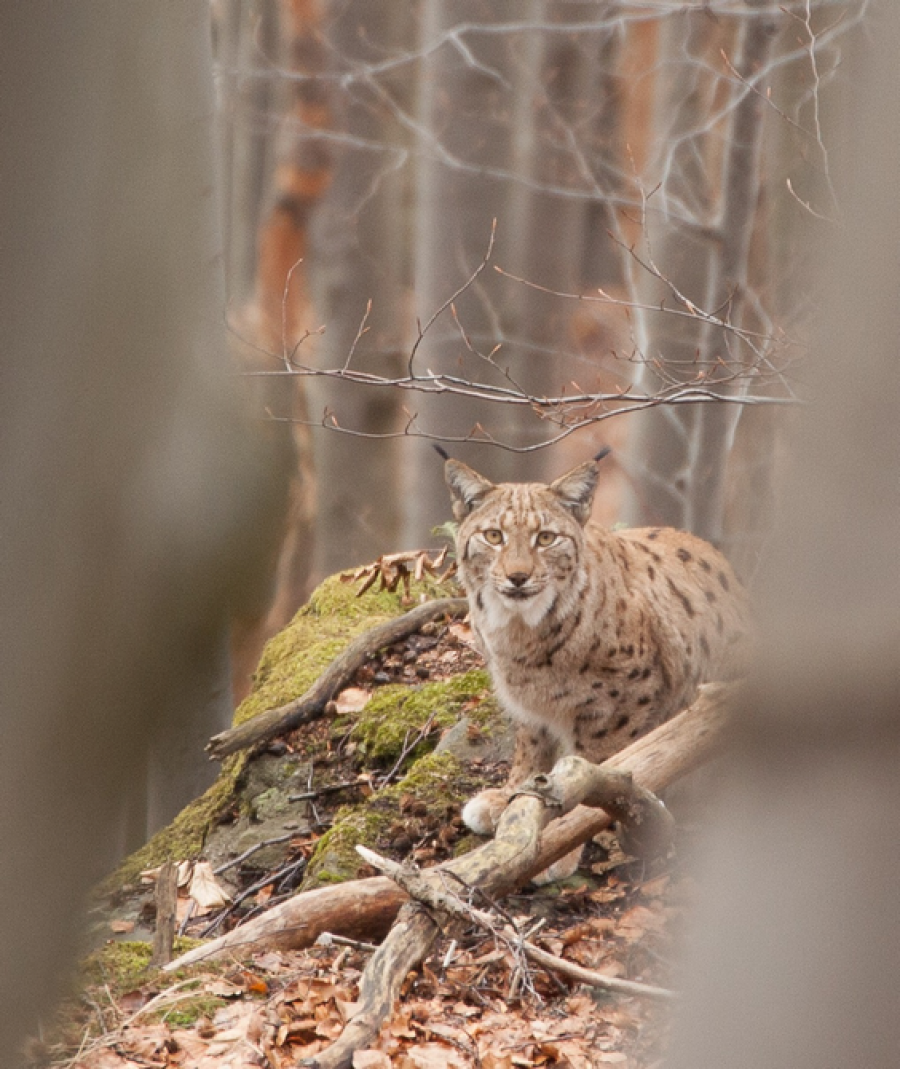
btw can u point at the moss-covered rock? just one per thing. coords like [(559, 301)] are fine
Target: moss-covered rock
[(333, 616), (397, 714), (291, 662), (423, 801)]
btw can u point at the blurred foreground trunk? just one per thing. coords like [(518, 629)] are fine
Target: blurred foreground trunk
[(796, 952), (131, 488)]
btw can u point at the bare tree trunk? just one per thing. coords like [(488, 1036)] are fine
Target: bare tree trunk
[(462, 132), (682, 453), (565, 103)]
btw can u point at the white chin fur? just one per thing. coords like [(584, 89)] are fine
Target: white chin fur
[(499, 610)]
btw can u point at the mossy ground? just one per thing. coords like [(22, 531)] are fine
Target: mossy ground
[(292, 660), (395, 715), (419, 807)]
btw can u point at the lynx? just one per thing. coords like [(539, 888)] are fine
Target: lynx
[(592, 637)]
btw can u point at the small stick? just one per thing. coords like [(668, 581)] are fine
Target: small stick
[(418, 886), (166, 903)]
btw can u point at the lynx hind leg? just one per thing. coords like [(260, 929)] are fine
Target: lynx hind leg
[(535, 752), (562, 869)]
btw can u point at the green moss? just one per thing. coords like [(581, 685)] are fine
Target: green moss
[(188, 1010), (437, 782), (291, 662), (333, 616), (396, 714), (121, 966)]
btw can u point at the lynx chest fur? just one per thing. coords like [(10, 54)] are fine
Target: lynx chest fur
[(592, 637)]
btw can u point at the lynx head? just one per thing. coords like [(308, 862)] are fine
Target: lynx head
[(520, 545)]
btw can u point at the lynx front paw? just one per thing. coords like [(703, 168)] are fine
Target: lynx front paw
[(482, 813)]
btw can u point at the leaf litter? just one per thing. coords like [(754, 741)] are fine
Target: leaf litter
[(469, 1005)]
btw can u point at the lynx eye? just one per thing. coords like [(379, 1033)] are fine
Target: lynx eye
[(546, 538), (492, 536)]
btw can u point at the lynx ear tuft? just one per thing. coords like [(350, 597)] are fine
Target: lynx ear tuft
[(575, 490), (467, 488)]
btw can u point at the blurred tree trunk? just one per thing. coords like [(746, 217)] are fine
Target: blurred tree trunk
[(134, 499), (796, 947), (463, 131), (564, 96), (262, 42), (362, 260)]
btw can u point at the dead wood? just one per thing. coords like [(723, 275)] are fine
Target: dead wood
[(311, 705), (419, 886), (166, 906), (365, 908)]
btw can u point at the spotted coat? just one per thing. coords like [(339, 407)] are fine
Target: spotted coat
[(592, 637)]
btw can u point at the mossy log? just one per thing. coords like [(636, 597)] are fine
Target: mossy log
[(311, 704)]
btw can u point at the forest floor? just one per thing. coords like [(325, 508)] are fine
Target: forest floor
[(475, 1002)]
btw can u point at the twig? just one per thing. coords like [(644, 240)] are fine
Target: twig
[(329, 938), (330, 788), (418, 886), (253, 849)]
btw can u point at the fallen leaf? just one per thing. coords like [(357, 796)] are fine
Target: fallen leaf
[(371, 1059), (223, 989), (432, 1056), (352, 700), (121, 926), (205, 890)]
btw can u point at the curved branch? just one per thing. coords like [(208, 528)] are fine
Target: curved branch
[(311, 705)]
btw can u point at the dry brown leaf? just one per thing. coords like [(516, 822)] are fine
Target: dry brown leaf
[(432, 1056), (106, 1059), (346, 1009), (492, 1060), (371, 1059), (120, 927), (352, 700), (205, 890), (637, 921), (223, 989)]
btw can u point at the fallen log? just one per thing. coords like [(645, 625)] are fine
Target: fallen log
[(365, 908), (311, 705)]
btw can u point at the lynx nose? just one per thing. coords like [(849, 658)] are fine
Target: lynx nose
[(518, 578)]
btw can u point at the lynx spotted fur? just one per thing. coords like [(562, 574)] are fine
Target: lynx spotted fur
[(592, 637)]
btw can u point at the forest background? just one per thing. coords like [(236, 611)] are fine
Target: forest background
[(523, 230)]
